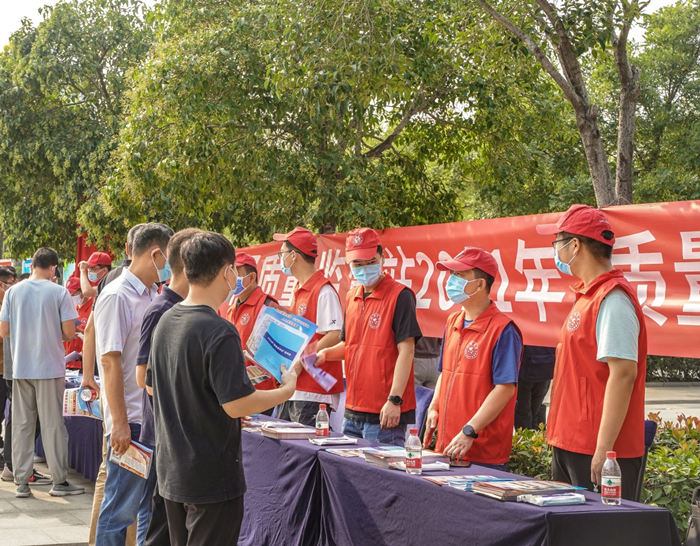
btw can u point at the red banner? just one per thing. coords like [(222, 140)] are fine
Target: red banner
[(657, 246)]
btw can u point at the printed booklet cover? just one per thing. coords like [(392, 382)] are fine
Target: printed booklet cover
[(136, 459), (278, 338)]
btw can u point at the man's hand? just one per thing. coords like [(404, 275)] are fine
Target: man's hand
[(289, 377), (390, 415), (597, 466), (459, 446), (83, 266), (320, 358), (431, 423), (120, 438), (90, 383)]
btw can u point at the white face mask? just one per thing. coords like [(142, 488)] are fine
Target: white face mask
[(77, 300)]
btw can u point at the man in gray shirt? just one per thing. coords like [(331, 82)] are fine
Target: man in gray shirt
[(38, 315)]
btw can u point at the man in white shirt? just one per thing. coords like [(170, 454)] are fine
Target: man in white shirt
[(118, 315), (38, 315)]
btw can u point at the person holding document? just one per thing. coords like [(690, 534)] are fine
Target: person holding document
[(245, 308), (201, 391), (316, 300), (378, 343), (473, 408)]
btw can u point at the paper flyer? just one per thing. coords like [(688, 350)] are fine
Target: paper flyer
[(73, 405), (278, 338), (136, 459), (321, 376)]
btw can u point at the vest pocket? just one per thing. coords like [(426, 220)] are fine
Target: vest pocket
[(583, 398)]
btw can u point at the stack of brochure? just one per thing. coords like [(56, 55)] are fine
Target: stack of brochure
[(511, 490), (287, 431), (385, 456), (465, 483), (330, 441)]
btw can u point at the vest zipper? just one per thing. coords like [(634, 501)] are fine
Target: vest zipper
[(449, 389), (357, 353)]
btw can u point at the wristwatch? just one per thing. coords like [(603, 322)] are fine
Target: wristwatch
[(469, 431), (396, 400)]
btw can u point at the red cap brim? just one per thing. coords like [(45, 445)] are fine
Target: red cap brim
[(548, 229), (452, 265), (360, 254), (280, 237)]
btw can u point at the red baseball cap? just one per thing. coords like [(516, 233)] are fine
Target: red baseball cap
[(245, 259), (581, 220), (99, 258), (73, 285), (361, 244), (471, 257), (300, 238)]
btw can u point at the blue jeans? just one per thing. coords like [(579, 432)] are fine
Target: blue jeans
[(375, 433), (123, 495), (146, 505)]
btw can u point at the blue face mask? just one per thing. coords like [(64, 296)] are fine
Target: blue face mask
[(562, 266), (367, 275), (286, 270), (165, 273), (92, 277), (455, 288)]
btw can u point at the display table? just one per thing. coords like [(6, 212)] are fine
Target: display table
[(84, 445), (288, 480)]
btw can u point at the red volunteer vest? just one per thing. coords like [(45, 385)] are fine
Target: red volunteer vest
[(579, 382), (243, 317), (76, 344), (370, 348), (305, 304), (467, 379)]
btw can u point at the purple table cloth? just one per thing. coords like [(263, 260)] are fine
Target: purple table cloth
[(300, 495), (84, 445)]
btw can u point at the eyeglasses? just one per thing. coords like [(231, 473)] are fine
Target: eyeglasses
[(563, 240), (281, 256)]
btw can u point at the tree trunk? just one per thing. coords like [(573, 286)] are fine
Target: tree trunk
[(625, 140), (587, 122)]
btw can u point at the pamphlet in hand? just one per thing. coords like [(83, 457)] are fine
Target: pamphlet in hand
[(73, 405), (72, 357), (308, 362), (278, 338), (136, 459)]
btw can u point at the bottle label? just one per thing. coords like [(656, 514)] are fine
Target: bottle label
[(612, 487), (322, 429), (413, 461)]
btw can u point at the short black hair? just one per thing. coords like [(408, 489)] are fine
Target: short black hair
[(308, 259), (44, 258), (175, 248), (481, 274), (24, 276), (12, 270), (204, 254), (132, 234), (6, 274), (598, 250), (250, 269), (151, 234)]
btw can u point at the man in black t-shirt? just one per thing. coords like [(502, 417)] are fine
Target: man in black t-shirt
[(201, 390)]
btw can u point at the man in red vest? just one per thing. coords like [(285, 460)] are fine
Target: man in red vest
[(473, 408), (249, 302), (597, 401), (316, 300), (84, 307), (378, 343)]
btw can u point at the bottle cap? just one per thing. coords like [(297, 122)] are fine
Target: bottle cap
[(610, 454), (322, 406), (413, 431)]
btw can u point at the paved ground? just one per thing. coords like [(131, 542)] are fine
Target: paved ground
[(44, 520)]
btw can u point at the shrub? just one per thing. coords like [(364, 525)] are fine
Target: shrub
[(531, 455), (669, 368)]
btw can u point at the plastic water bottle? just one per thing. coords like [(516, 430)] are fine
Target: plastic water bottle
[(611, 492), (414, 453), (322, 425)]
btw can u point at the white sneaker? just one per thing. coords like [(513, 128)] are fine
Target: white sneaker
[(7, 475)]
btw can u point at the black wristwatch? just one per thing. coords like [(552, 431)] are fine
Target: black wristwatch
[(469, 431), (396, 400)]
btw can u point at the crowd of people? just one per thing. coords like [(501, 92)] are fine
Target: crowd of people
[(164, 333)]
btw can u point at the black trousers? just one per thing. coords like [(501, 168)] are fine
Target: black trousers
[(7, 450), (214, 524), (530, 397), (157, 533), (575, 468), (300, 411)]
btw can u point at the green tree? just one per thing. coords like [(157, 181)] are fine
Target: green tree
[(61, 98)]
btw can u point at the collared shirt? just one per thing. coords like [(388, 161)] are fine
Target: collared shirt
[(119, 313)]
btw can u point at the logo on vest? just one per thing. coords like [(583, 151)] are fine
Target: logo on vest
[(375, 319), (302, 309), (357, 240), (471, 351), (574, 321), (245, 319)]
